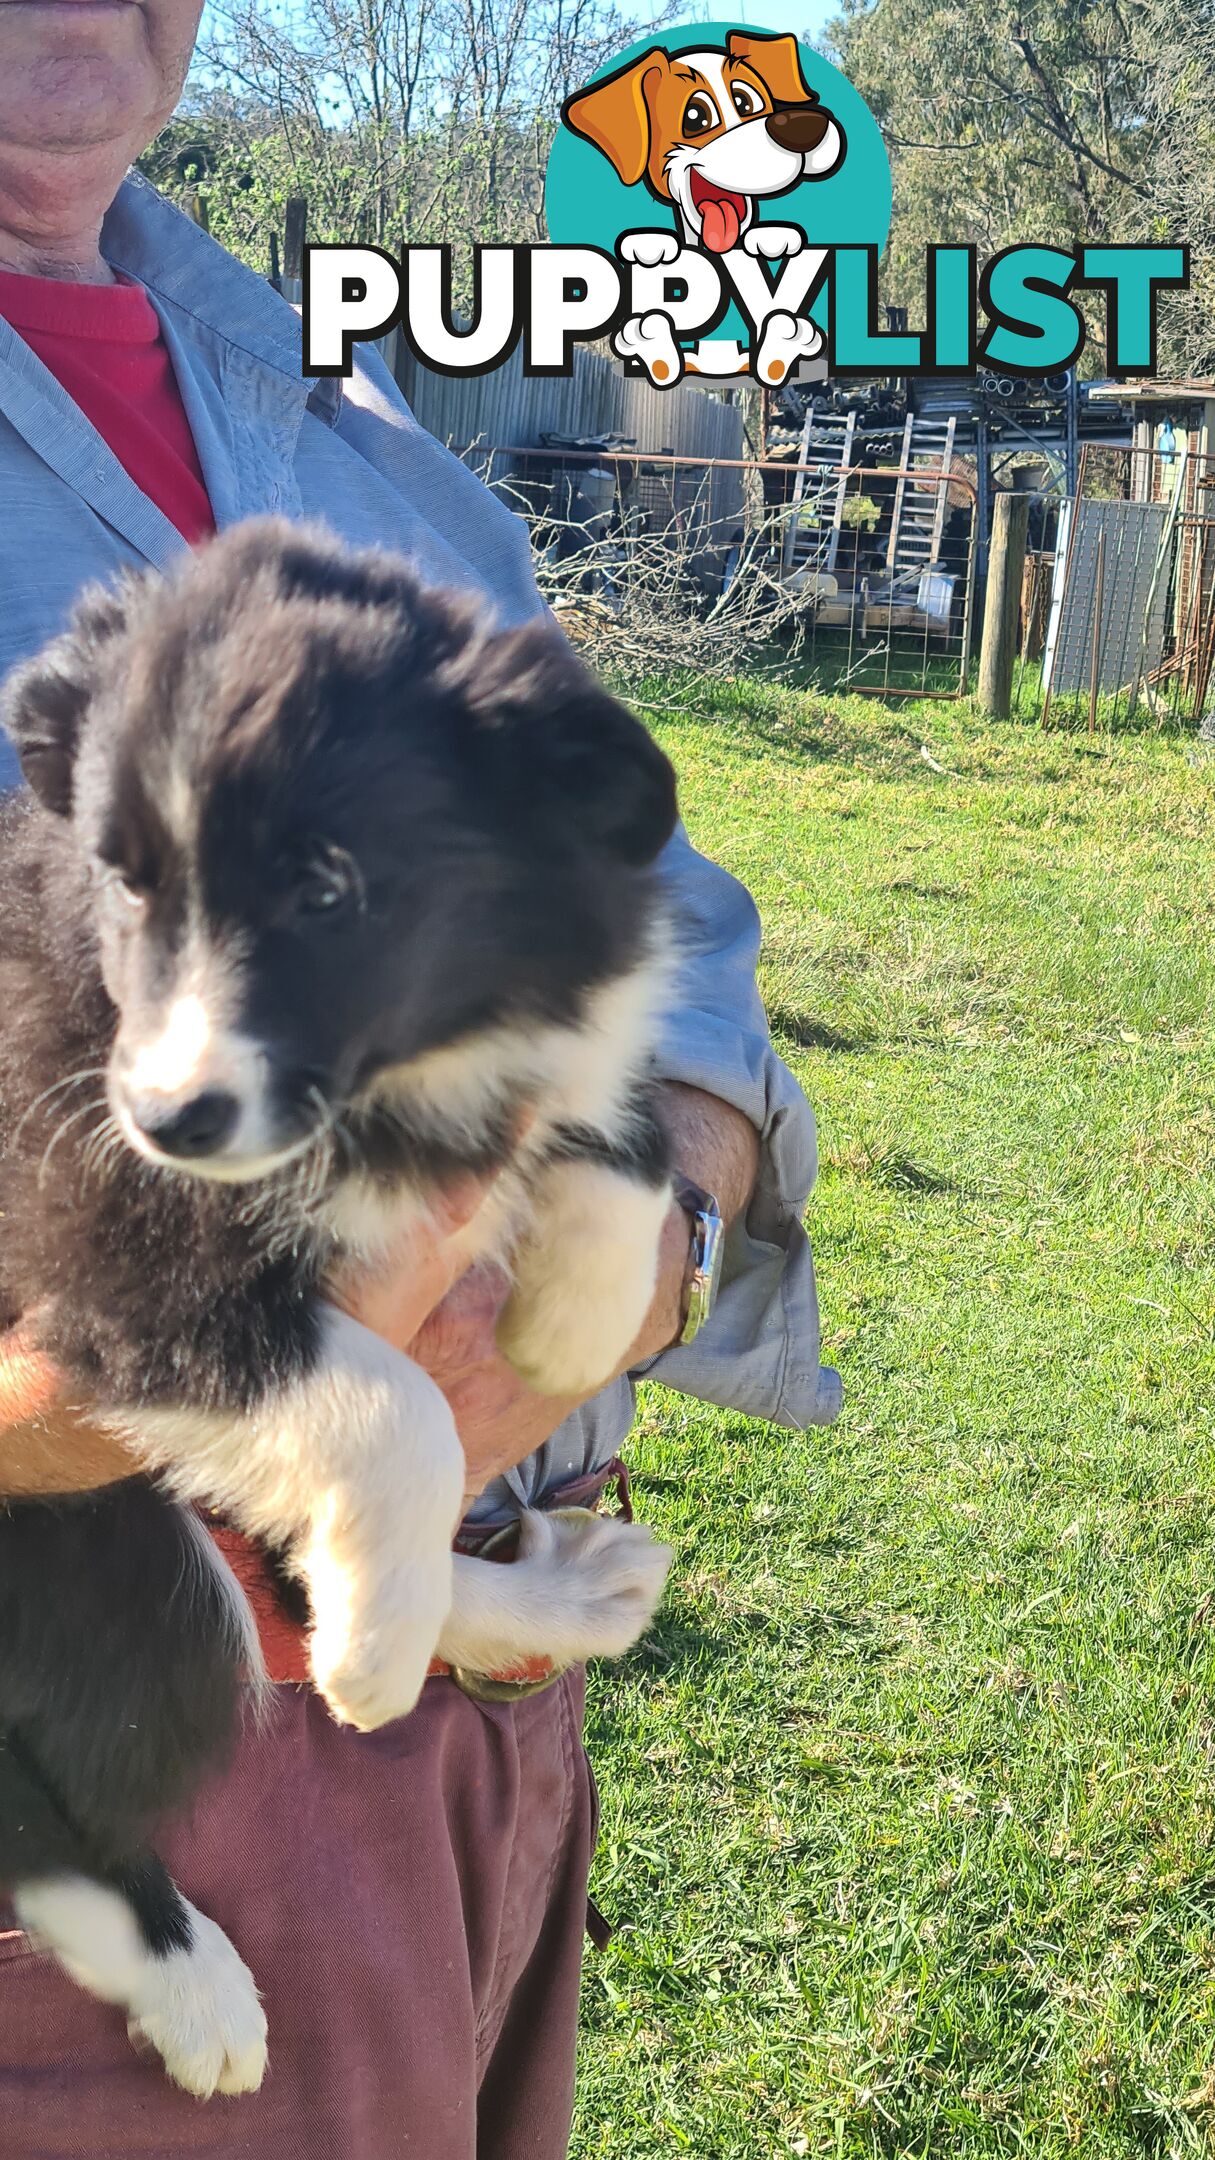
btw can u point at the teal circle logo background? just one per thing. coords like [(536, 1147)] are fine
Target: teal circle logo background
[(587, 205)]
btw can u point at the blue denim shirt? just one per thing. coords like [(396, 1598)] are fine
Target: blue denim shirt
[(351, 454)]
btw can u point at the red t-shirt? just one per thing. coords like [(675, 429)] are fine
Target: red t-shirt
[(103, 343)]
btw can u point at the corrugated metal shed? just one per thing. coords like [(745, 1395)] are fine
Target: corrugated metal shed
[(597, 399)]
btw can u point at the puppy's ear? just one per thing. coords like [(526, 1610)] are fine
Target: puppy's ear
[(614, 113), (552, 740), (777, 62), (44, 702)]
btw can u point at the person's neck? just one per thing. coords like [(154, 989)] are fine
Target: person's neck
[(51, 213)]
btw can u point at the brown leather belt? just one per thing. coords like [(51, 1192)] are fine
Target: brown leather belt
[(284, 1639)]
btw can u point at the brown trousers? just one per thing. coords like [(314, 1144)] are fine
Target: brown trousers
[(412, 1903)]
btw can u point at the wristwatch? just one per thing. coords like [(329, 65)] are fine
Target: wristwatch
[(707, 1252)]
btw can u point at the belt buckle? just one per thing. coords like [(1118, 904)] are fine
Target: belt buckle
[(484, 1687)]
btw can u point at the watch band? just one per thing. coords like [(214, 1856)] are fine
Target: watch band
[(708, 1240)]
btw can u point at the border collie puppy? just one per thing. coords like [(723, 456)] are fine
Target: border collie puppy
[(322, 891)]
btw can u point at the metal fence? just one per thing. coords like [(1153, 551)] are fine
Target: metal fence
[(856, 577), (1118, 627)]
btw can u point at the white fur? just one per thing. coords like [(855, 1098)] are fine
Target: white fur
[(582, 1586), (198, 2008), (358, 1467), (584, 1280), (174, 1060), (199, 1047)]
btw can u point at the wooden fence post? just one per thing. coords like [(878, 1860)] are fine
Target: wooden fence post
[(1002, 609), (294, 235)]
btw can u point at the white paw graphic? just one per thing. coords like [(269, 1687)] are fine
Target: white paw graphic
[(649, 248), (786, 340), (597, 1579), (199, 2009), (651, 340), (770, 242)]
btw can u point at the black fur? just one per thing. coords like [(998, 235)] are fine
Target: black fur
[(494, 814)]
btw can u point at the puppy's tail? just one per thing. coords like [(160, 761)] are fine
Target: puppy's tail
[(212, 1579)]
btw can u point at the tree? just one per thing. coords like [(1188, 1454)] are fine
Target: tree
[(1007, 120), (398, 119)]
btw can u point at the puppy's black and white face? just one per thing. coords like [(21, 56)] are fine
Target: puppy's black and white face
[(331, 824)]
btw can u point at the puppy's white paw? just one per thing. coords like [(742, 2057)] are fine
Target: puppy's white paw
[(371, 1645), (567, 1336), (597, 1580), (199, 2009), (559, 1346), (772, 242), (786, 340), (649, 249), (583, 1284), (651, 340)]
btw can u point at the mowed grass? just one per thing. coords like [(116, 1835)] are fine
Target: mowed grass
[(909, 1803)]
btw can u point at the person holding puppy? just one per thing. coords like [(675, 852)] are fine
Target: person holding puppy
[(414, 1899)]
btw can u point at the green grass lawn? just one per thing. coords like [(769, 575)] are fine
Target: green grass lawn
[(909, 1803)]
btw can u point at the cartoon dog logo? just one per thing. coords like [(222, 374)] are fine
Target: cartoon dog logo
[(712, 133)]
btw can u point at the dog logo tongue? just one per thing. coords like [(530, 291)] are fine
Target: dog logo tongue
[(719, 224), (721, 215)]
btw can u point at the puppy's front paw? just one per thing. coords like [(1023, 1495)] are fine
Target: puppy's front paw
[(370, 1650), (584, 1285), (597, 1579), (559, 1343), (200, 2010)]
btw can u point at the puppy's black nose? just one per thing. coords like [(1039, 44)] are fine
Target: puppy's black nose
[(192, 1129), (798, 127)]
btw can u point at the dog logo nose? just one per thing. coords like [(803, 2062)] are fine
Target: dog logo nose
[(191, 1129), (798, 127)]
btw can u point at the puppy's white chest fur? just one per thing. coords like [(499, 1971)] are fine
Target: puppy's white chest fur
[(578, 1075)]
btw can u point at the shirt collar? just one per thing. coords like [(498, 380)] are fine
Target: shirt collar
[(149, 239)]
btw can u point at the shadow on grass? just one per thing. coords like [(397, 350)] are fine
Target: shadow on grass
[(927, 892), (897, 1172), (809, 1034)]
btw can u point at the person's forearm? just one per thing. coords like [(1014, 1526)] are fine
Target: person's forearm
[(712, 1143), (718, 1148)]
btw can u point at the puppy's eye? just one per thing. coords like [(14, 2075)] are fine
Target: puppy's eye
[(327, 882), (747, 101), (129, 890), (700, 114)]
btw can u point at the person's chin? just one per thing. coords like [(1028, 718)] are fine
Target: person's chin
[(73, 104)]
